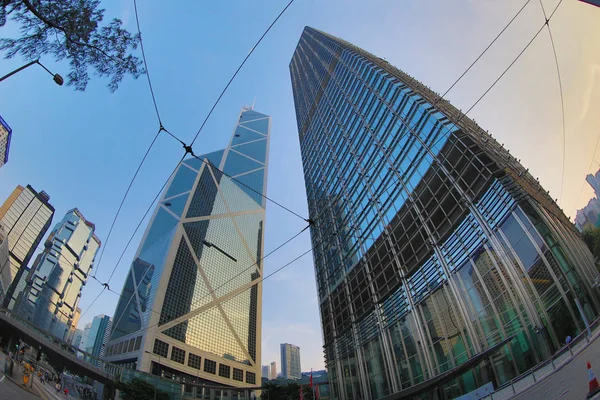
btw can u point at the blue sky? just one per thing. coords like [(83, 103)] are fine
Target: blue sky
[(83, 148)]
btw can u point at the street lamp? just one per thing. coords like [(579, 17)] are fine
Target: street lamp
[(57, 78)]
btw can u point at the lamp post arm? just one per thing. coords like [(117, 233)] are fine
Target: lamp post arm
[(19, 69)]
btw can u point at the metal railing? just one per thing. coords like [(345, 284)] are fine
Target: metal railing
[(530, 377), (93, 364)]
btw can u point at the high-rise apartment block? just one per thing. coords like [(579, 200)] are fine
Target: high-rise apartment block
[(265, 371), (193, 296), (5, 135), (273, 370), (25, 217), (441, 264), (58, 274), (95, 337), (290, 361), (589, 216)]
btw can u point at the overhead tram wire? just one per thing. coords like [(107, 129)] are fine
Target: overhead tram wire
[(137, 22), (252, 189), (92, 303), (229, 280), (562, 102), (165, 184), (422, 111), (161, 127), (238, 70), (504, 72), (487, 48), (143, 218), (257, 281)]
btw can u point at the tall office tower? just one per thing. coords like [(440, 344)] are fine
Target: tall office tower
[(58, 274), (5, 134), (432, 245), (4, 258), (190, 298), (290, 361), (273, 370), (26, 216), (265, 371), (96, 337)]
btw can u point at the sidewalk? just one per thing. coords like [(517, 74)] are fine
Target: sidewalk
[(11, 388), (16, 376), (48, 392)]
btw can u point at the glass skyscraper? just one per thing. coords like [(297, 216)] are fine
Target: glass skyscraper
[(95, 336), (190, 298), (5, 135), (25, 217), (441, 264), (58, 274), (290, 361)]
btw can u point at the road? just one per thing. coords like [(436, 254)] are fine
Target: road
[(570, 382), (10, 390)]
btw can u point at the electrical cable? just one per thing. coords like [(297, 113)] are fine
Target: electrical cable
[(252, 189), (505, 70), (238, 70), (562, 102), (214, 290), (486, 49), (161, 128), (112, 225), (137, 21), (143, 218)]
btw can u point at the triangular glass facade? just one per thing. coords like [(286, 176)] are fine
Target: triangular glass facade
[(196, 265)]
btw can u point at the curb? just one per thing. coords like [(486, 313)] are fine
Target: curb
[(20, 385)]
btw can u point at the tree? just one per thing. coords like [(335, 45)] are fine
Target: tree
[(138, 389), (291, 391), (70, 29), (591, 237)]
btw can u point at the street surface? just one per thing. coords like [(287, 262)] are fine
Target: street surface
[(10, 390), (570, 382)]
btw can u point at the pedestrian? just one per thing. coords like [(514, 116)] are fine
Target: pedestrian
[(67, 392), (568, 340)]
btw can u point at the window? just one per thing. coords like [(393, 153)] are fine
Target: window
[(160, 348), (238, 375), (138, 343), (131, 343), (250, 377), (224, 370), (177, 355), (120, 349), (210, 366), (194, 361)]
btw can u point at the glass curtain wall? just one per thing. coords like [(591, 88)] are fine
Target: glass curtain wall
[(432, 245)]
